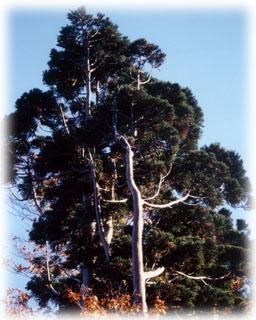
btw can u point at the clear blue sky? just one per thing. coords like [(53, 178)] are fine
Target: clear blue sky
[(206, 51)]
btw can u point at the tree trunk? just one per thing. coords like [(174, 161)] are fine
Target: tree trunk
[(86, 277), (88, 85), (97, 207), (139, 288), (97, 92)]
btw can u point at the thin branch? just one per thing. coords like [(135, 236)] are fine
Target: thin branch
[(100, 64), (36, 201), (139, 82), (197, 197), (116, 201), (161, 181), (169, 204), (94, 34), (48, 270), (203, 277), (192, 204), (64, 120), (14, 195)]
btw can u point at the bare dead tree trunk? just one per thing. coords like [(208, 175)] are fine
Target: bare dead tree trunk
[(139, 288), (139, 276)]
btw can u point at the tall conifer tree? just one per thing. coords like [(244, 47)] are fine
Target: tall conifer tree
[(109, 158)]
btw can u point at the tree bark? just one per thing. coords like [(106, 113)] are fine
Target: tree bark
[(88, 85), (138, 274), (97, 92), (86, 277), (139, 288)]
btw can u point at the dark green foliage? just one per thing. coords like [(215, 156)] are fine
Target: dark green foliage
[(163, 123)]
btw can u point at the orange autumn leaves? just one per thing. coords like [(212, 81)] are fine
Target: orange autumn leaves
[(120, 304), (17, 303), (89, 304)]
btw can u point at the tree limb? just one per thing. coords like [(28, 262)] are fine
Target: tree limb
[(161, 181), (48, 270), (154, 273), (167, 205), (40, 210), (146, 81), (116, 201), (202, 277), (64, 120), (14, 195)]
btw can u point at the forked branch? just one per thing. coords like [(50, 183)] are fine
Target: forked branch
[(161, 181)]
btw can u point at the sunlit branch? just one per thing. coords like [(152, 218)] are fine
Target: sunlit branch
[(203, 278), (169, 204), (154, 273), (146, 81), (116, 201), (64, 120), (161, 181)]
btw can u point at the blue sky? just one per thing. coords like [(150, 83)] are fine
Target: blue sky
[(206, 51)]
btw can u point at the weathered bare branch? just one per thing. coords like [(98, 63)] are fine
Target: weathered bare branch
[(161, 181), (146, 81), (153, 273), (169, 204), (48, 270), (94, 67), (203, 278), (94, 34), (64, 120), (116, 201)]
